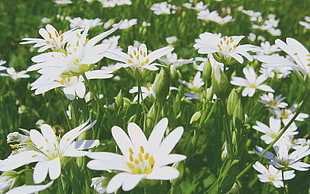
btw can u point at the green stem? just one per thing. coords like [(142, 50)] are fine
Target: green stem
[(277, 138), (285, 190)]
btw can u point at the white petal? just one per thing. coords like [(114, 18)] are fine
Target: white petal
[(136, 135), (40, 172), (98, 74), (171, 158), (121, 139), (48, 134), (54, 168), (85, 144), (19, 159), (164, 173), (170, 141), (27, 189), (116, 182), (157, 134), (132, 181), (108, 165)]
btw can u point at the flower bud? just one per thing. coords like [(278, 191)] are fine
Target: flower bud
[(119, 100), (161, 85), (195, 117)]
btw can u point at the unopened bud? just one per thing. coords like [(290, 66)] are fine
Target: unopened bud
[(119, 100), (195, 117), (161, 85)]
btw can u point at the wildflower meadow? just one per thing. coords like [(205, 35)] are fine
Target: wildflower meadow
[(155, 97)]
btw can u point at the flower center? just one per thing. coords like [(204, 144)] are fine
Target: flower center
[(226, 45), (140, 163), (138, 57), (252, 86)]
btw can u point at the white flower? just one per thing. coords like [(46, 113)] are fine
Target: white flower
[(196, 83), (138, 57), (206, 15), (273, 130), (267, 48), (283, 158), (28, 189), (2, 62), (306, 23), (48, 151), (275, 65), (7, 180), (171, 39), (228, 46), (272, 175), (251, 82), (63, 1), (99, 184), (298, 52), (271, 102), (127, 23), (145, 91), (142, 158), (172, 59), (11, 72), (83, 23), (51, 38), (163, 8)]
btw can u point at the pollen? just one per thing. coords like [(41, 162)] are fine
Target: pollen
[(141, 162)]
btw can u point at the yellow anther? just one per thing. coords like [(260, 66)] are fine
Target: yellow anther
[(151, 161), (135, 171), (130, 151), (142, 64), (129, 61), (231, 39), (235, 46), (140, 157), (273, 136), (140, 52), (224, 38), (50, 35), (147, 60), (146, 156), (148, 170), (221, 42), (144, 54), (48, 42), (137, 57), (230, 49), (35, 155), (136, 161), (131, 158), (142, 149), (40, 148), (134, 52), (130, 55), (130, 165)]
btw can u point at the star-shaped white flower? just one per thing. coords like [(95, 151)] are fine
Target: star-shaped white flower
[(209, 43), (48, 151), (298, 52), (273, 130), (142, 158), (251, 82), (138, 57), (272, 175)]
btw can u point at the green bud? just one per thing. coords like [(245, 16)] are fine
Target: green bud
[(232, 100), (195, 117), (119, 99), (174, 75), (161, 85), (206, 74), (132, 118), (220, 84), (151, 116)]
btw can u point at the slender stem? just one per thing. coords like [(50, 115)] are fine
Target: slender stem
[(285, 191), (277, 138)]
